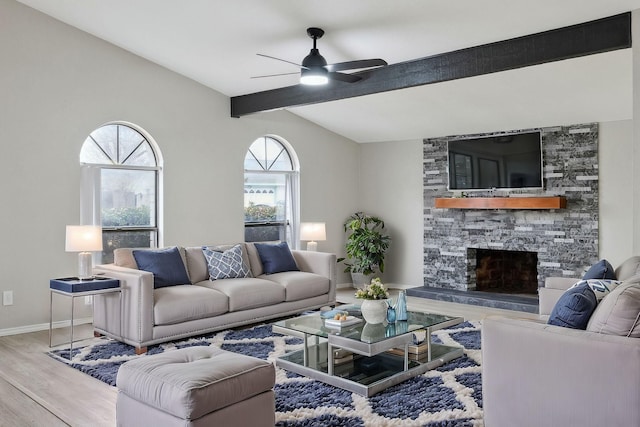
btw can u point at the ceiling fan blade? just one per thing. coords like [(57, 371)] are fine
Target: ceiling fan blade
[(276, 75), (352, 65), (348, 78), (279, 59)]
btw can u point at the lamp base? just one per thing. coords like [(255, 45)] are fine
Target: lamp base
[(312, 246), (85, 266)]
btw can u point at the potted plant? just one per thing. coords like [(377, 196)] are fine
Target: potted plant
[(374, 301), (365, 248)]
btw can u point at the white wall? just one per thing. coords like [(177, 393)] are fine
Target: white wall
[(391, 188), (58, 84), (616, 191)]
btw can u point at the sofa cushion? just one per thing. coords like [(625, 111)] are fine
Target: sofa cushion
[(248, 292), (619, 312), (255, 264), (276, 258), (600, 270), (629, 268), (574, 308), (299, 284), (165, 264), (176, 304), (600, 287), (196, 264)]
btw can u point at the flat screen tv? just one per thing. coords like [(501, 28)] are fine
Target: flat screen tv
[(501, 161)]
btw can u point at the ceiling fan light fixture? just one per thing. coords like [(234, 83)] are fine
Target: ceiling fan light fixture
[(315, 71), (314, 77)]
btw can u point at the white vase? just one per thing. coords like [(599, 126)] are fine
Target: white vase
[(374, 310)]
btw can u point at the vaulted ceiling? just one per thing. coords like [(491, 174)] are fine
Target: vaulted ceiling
[(215, 43)]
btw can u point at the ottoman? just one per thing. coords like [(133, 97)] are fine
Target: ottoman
[(196, 386)]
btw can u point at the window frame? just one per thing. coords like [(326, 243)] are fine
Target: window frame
[(91, 200), (290, 224)]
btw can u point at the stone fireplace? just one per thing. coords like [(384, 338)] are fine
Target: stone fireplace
[(564, 241)]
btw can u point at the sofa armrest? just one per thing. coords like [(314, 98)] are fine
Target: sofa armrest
[(561, 283), (322, 263), (535, 374), (130, 314), (553, 289)]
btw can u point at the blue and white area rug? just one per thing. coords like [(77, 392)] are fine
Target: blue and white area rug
[(448, 396)]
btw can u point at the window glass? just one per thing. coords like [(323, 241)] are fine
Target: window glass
[(124, 193), (270, 192), (128, 198)]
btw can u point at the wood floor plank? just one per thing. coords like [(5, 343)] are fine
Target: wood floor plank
[(19, 410), (74, 397)]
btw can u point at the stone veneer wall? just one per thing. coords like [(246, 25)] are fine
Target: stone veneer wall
[(566, 240)]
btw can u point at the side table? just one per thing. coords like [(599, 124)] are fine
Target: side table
[(73, 288)]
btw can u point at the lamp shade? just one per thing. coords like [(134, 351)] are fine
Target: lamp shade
[(83, 238), (312, 231)]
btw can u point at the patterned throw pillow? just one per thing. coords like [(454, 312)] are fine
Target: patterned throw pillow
[(600, 287), (226, 265)]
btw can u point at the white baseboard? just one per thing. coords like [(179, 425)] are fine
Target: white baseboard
[(344, 285), (43, 326)]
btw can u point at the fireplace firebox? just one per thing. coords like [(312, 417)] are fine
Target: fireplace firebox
[(502, 271)]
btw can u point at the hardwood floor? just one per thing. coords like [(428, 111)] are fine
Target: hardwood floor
[(36, 390), (64, 395)]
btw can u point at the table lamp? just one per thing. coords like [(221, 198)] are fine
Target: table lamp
[(84, 239), (312, 231)]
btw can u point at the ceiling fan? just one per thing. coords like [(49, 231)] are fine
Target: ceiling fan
[(314, 69)]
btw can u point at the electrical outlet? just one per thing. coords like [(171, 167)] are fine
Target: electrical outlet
[(88, 300), (7, 298)]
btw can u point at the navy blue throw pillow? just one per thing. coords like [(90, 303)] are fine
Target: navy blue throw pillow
[(600, 270), (165, 264), (574, 308), (276, 258)]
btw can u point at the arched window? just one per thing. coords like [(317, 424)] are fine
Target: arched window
[(121, 181), (271, 194)]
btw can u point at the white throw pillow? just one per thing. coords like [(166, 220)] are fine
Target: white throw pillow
[(600, 287)]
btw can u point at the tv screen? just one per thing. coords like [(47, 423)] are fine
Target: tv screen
[(504, 161)]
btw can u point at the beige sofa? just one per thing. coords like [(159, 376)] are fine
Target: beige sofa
[(141, 315), (535, 374)]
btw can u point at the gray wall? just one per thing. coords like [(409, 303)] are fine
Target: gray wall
[(58, 84)]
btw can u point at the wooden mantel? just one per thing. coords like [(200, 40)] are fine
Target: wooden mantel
[(501, 203)]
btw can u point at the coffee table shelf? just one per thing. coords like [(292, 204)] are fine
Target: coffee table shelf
[(373, 368)]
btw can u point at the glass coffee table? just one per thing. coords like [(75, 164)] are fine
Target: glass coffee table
[(365, 358)]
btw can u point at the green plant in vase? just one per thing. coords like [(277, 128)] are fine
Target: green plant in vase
[(366, 245)]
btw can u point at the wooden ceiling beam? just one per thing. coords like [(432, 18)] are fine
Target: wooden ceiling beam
[(599, 36)]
